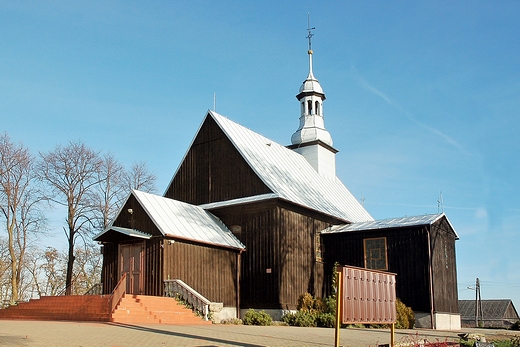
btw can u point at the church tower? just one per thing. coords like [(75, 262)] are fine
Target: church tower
[(311, 139)]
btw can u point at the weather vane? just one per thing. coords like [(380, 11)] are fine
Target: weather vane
[(310, 34)]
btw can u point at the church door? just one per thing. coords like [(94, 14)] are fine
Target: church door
[(132, 262)]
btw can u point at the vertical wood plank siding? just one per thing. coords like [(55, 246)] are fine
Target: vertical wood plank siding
[(138, 219), (153, 284), (407, 257), (446, 299), (213, 170), (210, 271), (109, 274), (279, 263)]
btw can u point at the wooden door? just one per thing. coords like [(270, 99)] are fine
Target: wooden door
[(131, 255)]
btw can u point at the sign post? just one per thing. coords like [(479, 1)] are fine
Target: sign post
[(339, 294)]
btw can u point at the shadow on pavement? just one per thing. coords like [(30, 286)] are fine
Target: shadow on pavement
[(189, 336)]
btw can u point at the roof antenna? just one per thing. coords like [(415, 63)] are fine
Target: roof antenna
[(310, 34), (440, 204), (214, 102)]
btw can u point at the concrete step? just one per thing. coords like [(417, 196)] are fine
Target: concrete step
[(131, 309)]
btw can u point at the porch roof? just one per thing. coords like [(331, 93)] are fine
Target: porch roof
[(131, 232), (183, 221)]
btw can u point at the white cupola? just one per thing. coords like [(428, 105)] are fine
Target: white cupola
[(311, 139)]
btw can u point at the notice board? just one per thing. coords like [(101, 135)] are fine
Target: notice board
[(368, 296)]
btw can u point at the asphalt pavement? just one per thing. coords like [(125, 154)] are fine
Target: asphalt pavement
[(89, 334)]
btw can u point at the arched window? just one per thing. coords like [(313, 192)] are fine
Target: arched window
[(303, 107), (317, 107), (309, 106)]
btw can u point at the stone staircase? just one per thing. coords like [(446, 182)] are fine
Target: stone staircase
[(131, 309), (154, 309), (71, 307)]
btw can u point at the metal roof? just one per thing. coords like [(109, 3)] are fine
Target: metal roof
[(180, 220), (491, 309), (290, 176), (131, 232), (426, 219)]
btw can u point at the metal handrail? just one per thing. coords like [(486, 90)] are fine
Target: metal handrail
[(96, 289), (117, 294), (177, 288)]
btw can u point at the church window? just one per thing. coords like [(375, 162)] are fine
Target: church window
[(319, 248), (375, 253), (303, 107), (309, 106), (317, 107)]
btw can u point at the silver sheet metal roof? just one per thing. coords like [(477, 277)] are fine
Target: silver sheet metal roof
[(180, 220), (290, 176), (131, 232), (426, 219)]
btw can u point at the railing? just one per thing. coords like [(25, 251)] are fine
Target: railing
[(117, 294), (64, 290), (96, 289), (179, 289)]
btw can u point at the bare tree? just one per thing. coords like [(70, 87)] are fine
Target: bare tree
[(111, 190), (138, 177), (19, 201), (87, 268), (73, 175), (53, 265), (5, 282)]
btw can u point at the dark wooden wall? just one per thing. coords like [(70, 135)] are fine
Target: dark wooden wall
[(213, 170), (109, 272), (210, 271), (153, 262), (279, 263), (444, 268), (407, 257)]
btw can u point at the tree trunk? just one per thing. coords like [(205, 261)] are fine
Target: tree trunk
[(14, 264), (70, 264)]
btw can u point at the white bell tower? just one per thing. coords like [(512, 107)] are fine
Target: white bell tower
[(311, 139)]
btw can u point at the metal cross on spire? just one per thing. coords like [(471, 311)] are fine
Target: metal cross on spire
[(310, 34)]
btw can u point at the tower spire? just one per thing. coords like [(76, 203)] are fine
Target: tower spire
[(311, 139), (309, 32)]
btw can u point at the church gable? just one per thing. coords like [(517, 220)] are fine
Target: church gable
[(213, 170)]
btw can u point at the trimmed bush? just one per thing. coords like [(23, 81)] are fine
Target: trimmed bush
[(253, 317), (300, 319), (330, 305), (305, 303), (326, 320), (405, 316)]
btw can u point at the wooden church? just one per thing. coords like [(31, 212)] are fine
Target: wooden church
[(250, 223)]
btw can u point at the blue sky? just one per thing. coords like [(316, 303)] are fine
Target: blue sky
[(422, 97)]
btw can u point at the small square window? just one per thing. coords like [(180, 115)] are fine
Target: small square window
[(375, 254)]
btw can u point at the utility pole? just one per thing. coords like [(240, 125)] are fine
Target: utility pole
[(478, 303)]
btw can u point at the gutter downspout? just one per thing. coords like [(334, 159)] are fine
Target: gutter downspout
[(239, 257), (430, 275)]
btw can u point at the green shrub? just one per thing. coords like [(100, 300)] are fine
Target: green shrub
[(330, 305), (326, 320), (253, 317), (289, 318), (405, 316), (300, 319), (305, 303)]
